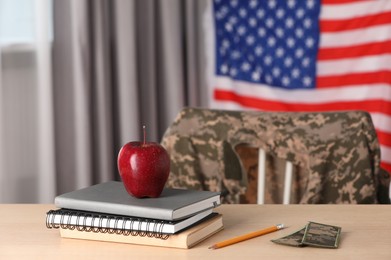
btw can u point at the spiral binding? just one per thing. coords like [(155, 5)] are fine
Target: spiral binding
[(81, 223)]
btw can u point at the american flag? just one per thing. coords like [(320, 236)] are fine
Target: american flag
[(303, 55)]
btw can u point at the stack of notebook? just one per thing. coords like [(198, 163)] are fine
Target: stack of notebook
[(106, 212)]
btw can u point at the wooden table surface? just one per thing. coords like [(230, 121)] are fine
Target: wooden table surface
[(366, 234)]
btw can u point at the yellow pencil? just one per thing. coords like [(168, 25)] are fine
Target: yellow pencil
[(247, 236)]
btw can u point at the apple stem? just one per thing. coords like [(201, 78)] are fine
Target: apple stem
[(144, 131)]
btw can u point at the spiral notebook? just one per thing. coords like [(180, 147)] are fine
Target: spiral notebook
[(88, 221), (112, 198), (187, 238)]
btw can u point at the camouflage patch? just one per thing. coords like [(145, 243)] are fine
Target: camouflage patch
[(294, 239), (313, 234), (321, 235)]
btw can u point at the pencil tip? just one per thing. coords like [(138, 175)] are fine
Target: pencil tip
[(212, 247)]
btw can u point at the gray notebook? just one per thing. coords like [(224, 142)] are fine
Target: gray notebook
[(112, 198)]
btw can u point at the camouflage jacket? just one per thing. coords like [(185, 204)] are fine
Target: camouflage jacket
[(336, 155)]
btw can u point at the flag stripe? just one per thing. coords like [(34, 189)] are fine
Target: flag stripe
[(322, 95), (384, 138), (343, 1), (385, 153), (354, 65), (355, 37), (354, 79), (386, 166), (340, 10), (382, 123), (264, 104), (354, 51), (355, 23)]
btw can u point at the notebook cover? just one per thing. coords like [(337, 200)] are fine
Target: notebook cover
[(185, 239), (112, 198)]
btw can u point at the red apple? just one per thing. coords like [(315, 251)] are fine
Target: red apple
[(144, 168)]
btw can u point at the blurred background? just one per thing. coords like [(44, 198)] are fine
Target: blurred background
[(79, 78)]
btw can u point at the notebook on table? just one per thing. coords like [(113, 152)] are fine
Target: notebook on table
[(112, 198), (187, 238), (99, 222)]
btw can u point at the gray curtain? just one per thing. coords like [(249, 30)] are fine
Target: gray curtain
[(118, 65)]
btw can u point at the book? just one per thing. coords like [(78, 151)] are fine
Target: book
[(83, 220), (112, 198), (184, 239)]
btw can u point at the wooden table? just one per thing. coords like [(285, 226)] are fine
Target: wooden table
[(366, 234)]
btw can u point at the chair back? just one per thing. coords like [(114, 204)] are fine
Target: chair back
[(334, 156)]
